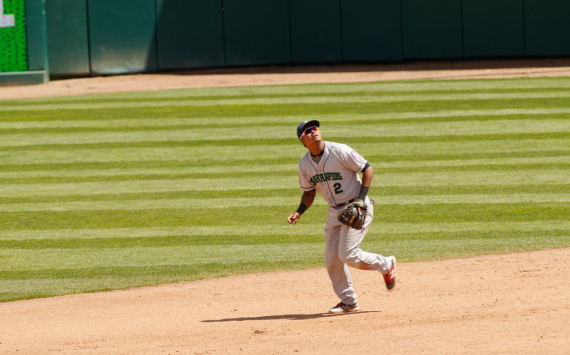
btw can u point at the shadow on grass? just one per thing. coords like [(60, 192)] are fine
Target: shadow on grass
[(283, 316)]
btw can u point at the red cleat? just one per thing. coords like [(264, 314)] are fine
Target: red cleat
[(390, 277)]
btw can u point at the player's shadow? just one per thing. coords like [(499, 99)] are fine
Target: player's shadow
[(285, 316)]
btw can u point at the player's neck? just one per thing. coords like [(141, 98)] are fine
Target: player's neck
[(317, 149)]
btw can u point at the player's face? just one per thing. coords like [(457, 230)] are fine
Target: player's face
[(311, 134)]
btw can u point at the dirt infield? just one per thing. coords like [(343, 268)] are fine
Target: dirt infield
[(506, 304), (497, 304)]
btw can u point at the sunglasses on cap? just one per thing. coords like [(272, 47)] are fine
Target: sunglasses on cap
[(309, 131)]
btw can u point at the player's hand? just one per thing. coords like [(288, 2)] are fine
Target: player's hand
[(293, 217), (359, 201)]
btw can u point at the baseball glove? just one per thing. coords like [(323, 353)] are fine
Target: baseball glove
[(350, 216)]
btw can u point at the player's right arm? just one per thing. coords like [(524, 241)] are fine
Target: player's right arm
[(306, 202)]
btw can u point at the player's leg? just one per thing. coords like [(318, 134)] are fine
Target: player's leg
[(337, 270), (349, 247)]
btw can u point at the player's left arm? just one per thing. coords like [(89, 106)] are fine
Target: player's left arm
[(367, 176), (355, 162)]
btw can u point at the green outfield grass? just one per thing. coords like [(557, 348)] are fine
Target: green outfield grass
[(110, 191)]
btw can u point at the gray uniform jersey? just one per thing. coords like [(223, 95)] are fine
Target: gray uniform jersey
[(334, 176)]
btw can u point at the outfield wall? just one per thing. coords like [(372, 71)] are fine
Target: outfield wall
[(98, 37)]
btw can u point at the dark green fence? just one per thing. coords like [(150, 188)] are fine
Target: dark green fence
[(432, 29), (493, 28), (315, 31), (371, 30), (90, 37), (68, 37), (122, 36), (547, 27), (256, 32), (190, 34)]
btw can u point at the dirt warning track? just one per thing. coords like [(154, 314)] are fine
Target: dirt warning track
[(486, 69)]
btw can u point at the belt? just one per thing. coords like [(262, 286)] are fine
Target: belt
[(342, 204)]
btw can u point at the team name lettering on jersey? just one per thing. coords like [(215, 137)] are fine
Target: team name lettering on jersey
[(325, 177)]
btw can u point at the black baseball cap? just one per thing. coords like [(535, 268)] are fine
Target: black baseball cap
[(302, 125)]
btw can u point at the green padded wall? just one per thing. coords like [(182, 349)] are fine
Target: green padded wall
[(371, 30), (68, 42), (122, 36), (547, 26), (493, 28), (432, 29), (190, 34), (256, 32), (37, 38), (315, 31), (129, 36)]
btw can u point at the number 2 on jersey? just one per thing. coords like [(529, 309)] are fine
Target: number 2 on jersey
[(337, 188)]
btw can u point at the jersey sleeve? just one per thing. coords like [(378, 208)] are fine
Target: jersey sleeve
[(351, 159), (304, 182)]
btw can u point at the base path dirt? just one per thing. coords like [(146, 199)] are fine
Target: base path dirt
[(499, 304)]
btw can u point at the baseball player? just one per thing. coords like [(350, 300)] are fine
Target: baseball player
[(332, 170)]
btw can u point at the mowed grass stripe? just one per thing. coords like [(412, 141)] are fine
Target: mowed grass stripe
[(142, 273), (403, 153), (95, 262), (219, 204), (135, 186), (76, 260), (220, 136), (283, 154), (446, 213), (238, 171), (200, 234), (153, 256), (278, 232), (284, 100), (378, 171), (323, 92), (232, 240), (46, 179), (175, 123), (296, 109), (160, 242), (469, 85), (559, 151), (447, 178), (187, 204), (261, 143), (294, 192)]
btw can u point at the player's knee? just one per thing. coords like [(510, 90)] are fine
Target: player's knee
[(349, 257)]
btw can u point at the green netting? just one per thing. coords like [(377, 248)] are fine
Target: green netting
[(13, 46)]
